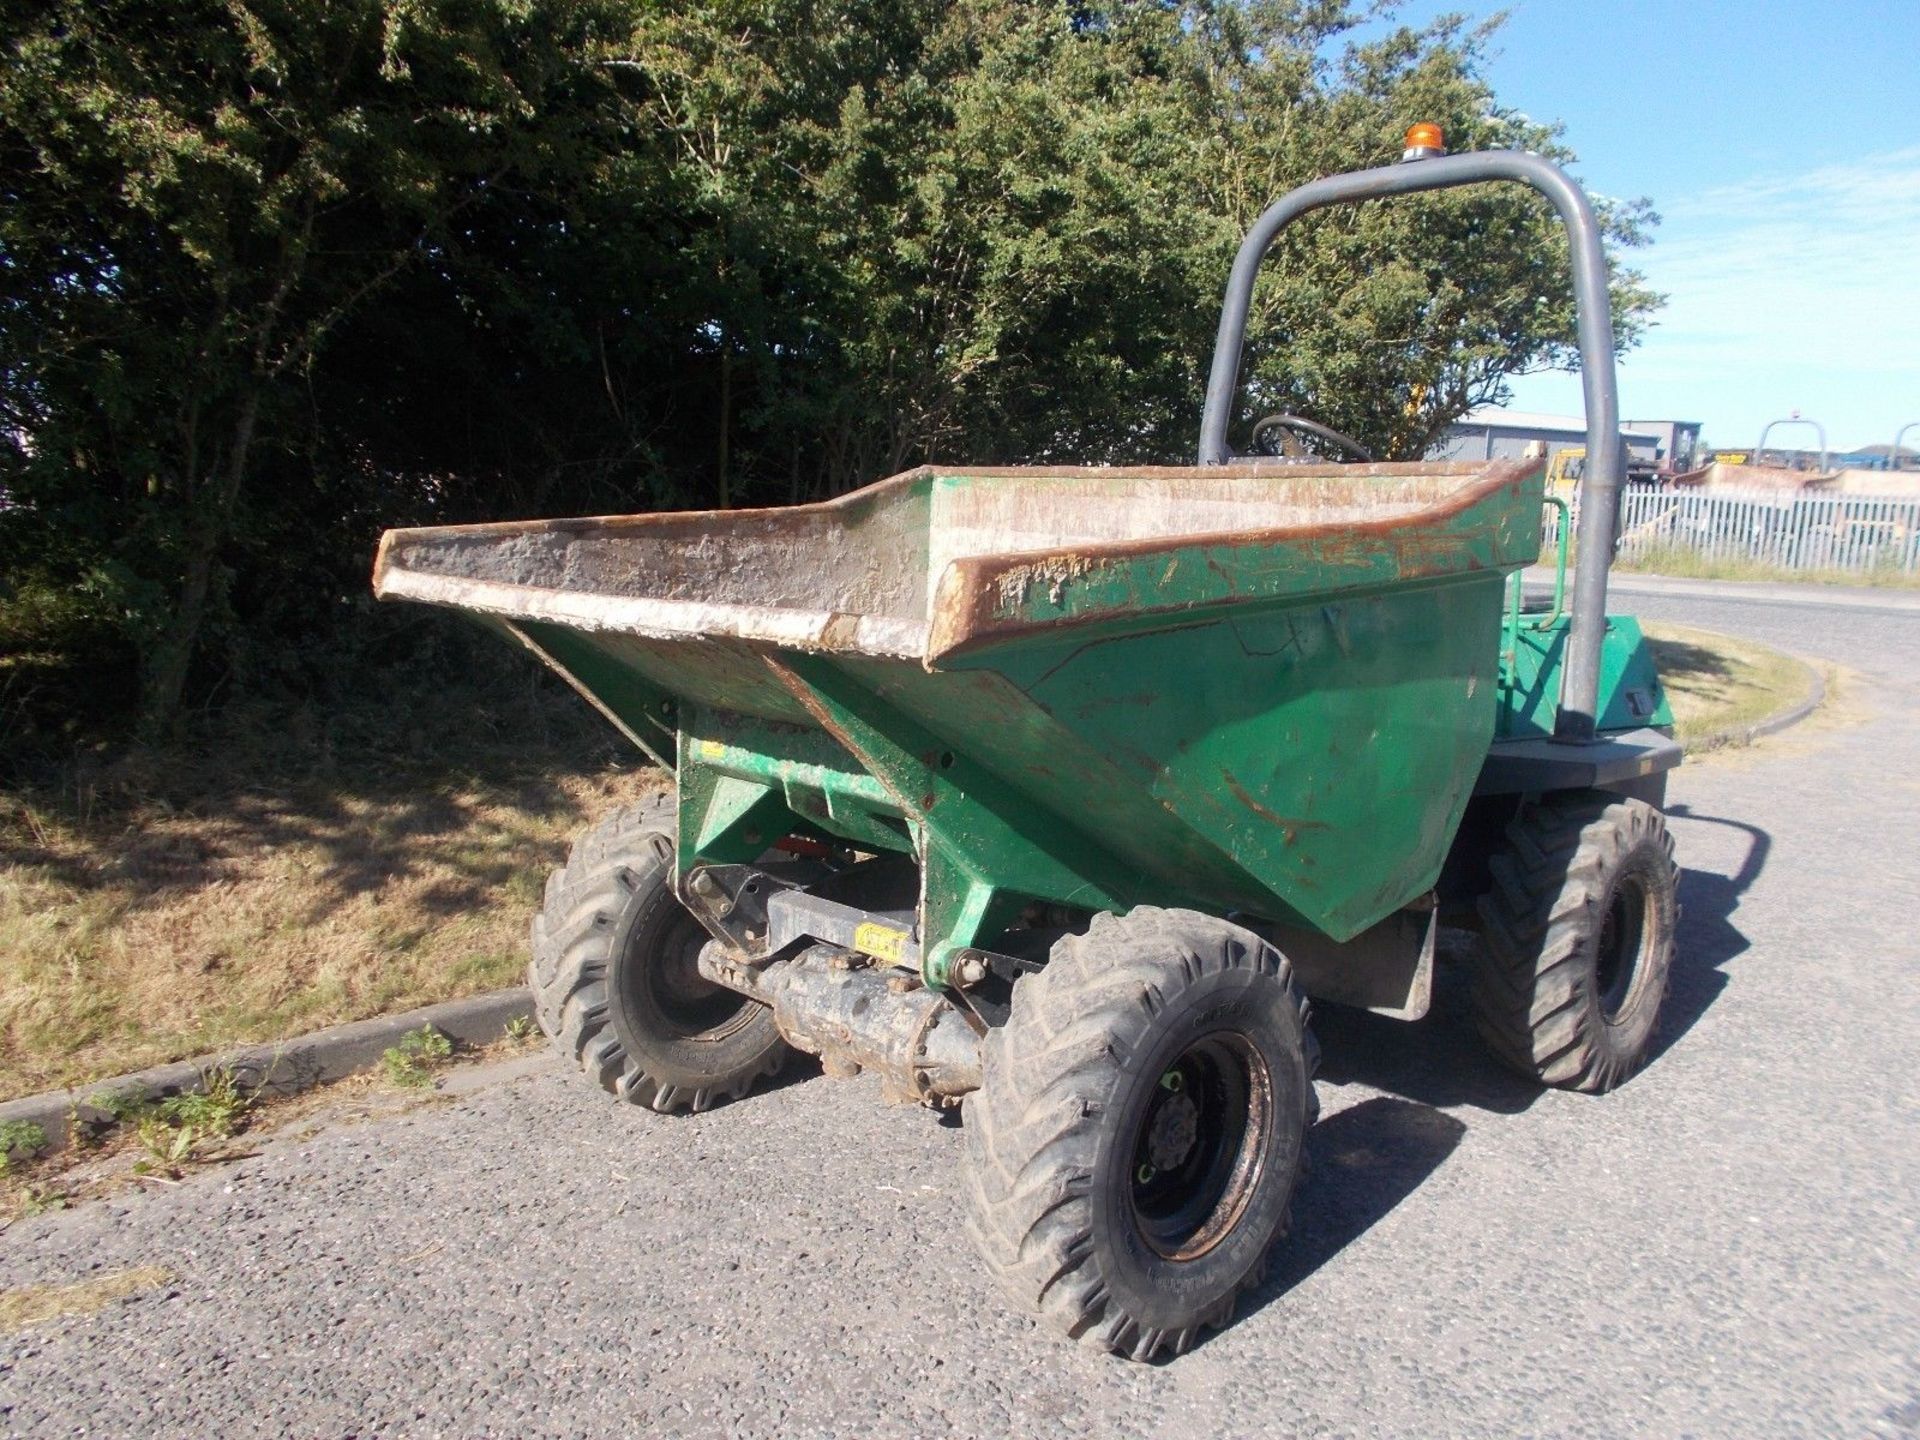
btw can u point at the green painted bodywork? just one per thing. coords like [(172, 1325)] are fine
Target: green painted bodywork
[(1631, 695), (1287, 724), (1533, 648)]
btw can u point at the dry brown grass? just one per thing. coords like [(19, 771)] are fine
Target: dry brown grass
[(1717, 683), (36, 1304), (1681, 563), (165, 913)]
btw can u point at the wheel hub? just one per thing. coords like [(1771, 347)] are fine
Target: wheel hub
[(1624, 928), (684, 1002), (1172, 1132), (681, 984), (1201, 1145)]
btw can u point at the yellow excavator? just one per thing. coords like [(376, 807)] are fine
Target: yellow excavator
[(1566, 467)]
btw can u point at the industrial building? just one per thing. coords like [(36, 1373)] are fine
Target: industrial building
[(1654, 448)]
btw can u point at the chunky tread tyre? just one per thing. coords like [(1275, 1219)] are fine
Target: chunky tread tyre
[(1061, 1080), (1547, 998), (617, 872)]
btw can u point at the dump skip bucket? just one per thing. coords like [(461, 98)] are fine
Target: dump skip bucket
[(1265, 688)]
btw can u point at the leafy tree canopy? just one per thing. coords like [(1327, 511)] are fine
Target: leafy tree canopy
[(274, 275)]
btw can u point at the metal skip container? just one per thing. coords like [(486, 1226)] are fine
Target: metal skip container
[(1256, 688)]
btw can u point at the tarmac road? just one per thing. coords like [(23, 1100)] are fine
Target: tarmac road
[(1727, 1246)]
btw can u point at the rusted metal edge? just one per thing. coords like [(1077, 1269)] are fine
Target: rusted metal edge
[(964, 610), (880, 490), (961, 614), (655, 519), (824, 630)]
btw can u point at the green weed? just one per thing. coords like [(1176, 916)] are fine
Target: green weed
[(20, 1139), (31, 1200), (177, 1130), (216, 1110), (411, 1064), (168, 1146)]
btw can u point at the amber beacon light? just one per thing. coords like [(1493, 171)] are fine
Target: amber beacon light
[(1424, 141)]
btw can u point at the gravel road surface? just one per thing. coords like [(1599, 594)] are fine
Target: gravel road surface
[(1727, 1246)]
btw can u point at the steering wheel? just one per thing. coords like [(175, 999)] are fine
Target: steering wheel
[(1286, 427)]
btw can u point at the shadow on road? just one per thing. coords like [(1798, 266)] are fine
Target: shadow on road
[(798, 1068), (1708, 937), (1441, 1061), (1436, 1061), (1364, 1161)]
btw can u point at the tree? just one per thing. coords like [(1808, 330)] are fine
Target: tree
[(274, 275), (197, 195)]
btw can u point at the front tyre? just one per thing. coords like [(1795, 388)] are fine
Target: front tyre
[(1578, 939), (616, 982), (1134, 1145)]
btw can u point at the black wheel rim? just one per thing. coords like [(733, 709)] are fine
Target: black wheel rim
[(1624, 929), (664, 968), (1201, 1145)]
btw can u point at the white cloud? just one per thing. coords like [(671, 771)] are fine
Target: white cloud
[(1860, 188), (1793, 290)]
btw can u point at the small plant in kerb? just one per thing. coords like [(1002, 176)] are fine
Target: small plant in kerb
[(121, 1107), (411, 1063), (521, 1030), (31, 1200), (168, 1146), (177, 1130), (20, 1140), (217, 1109)]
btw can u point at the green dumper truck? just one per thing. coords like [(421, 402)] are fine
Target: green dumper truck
[(1056, 794)]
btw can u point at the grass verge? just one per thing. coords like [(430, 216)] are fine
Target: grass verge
[(167, 904), (161, 1142), (1679, 563), (1717, 683)]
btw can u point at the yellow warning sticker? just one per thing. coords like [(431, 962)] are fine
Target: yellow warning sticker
[(882, 942)]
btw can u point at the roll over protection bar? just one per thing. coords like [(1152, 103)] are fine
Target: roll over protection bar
[(1600, 485)]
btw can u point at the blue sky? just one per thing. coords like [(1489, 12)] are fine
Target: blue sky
[(1780, 142)]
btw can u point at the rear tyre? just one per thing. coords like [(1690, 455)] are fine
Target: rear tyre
[(1578, 931), (1133, 1148), (615, 981)]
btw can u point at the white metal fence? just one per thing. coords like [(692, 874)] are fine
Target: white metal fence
[(1790, 529)]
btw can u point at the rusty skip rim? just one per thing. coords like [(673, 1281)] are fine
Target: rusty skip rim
[(962, 610), (966, 612)]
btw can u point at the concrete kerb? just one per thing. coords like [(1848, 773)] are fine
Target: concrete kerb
[(291, 1066), (285, 1068), (1539, 580), (1811, 700)]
